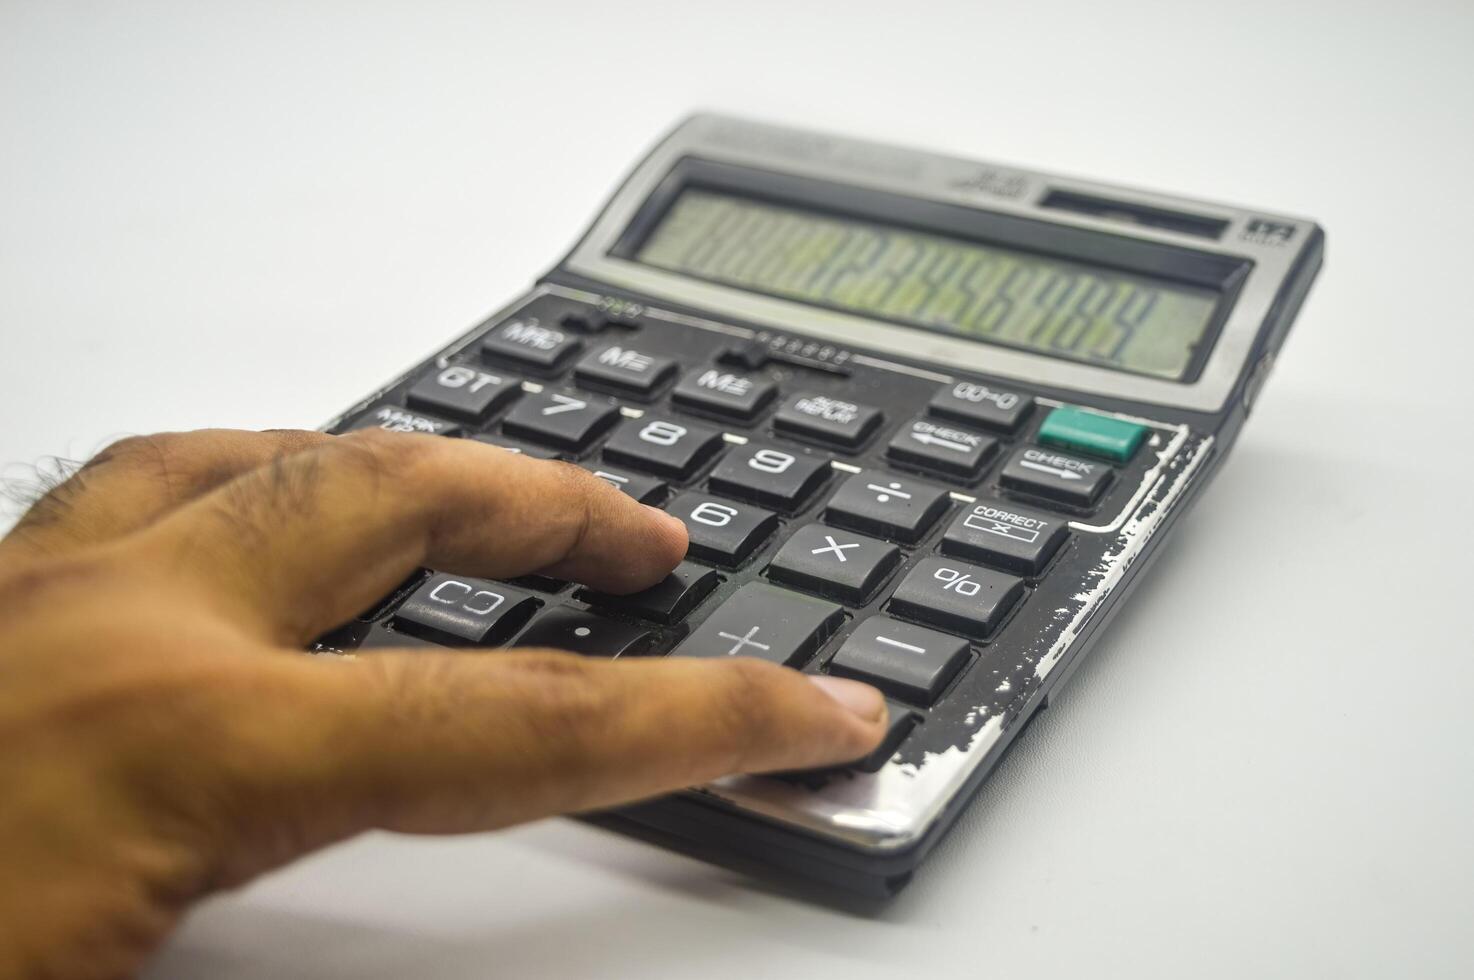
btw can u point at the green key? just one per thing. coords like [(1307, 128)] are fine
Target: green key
[(1089, 432)]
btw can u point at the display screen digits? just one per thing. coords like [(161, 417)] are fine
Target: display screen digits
[(984, 292)]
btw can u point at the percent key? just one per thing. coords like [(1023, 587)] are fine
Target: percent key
[(956, 596)]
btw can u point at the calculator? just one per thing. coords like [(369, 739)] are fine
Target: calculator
[(928, 420)]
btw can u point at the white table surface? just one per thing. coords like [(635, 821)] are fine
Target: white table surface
[(248, 214)]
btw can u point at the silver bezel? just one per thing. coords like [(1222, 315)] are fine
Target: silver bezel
[(954, 181)]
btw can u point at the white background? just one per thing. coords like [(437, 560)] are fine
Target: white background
[(249, 215)]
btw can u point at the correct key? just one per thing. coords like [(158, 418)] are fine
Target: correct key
[(1005, 535), (762, 621)]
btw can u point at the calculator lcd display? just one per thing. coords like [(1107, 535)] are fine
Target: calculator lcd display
[(986, 292)]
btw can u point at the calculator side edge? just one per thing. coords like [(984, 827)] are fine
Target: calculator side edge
[(714, 829)]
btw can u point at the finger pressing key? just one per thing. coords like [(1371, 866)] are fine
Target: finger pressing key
[(306, 542), (430, 742)]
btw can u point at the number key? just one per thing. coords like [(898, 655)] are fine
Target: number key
[(663, 446), (645, 489), (667, 601), (558, 419), (578, 631), (521, 449), (722, 532), (770, 476)]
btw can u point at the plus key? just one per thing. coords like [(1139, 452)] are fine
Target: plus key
[(762, 621)]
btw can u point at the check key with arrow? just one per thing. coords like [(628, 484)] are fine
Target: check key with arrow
[(942, 448), (1056, 476)]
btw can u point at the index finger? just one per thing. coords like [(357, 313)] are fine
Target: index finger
[(305, 543)]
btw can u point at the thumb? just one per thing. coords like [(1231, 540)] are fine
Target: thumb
[(449, 742)]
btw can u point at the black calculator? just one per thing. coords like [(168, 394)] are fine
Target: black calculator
[(927, 419)]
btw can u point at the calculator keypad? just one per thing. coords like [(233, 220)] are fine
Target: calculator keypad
[(798, 494)]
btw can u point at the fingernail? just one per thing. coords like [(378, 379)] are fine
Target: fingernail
[(861, 700)]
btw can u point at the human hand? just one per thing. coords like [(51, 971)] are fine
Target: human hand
[(162, 737)]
